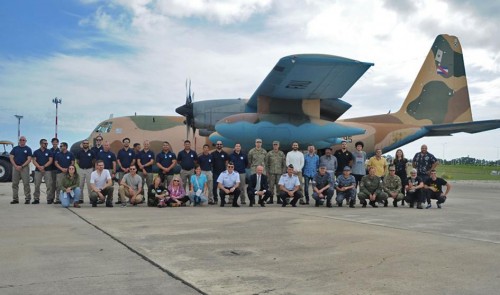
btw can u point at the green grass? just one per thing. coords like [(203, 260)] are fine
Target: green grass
[(466, 172)]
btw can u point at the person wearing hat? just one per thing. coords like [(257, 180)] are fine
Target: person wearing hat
[(392, 187), (257, 155), (228, 183), (323, 187), (346, 188), (289, 187), (275, 167), (371, 188)]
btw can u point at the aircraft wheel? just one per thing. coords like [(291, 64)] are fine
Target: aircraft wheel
[(5, 171)]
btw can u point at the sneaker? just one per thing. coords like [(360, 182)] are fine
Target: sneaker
[(243, 203), (81, 201), (428, 206), (351, 205), (57, 202), (110, 205), (124, 204), (439, 205), (14, 202), (302, 202), (50, 202), (94, 204), (118, 202), (36, 202)]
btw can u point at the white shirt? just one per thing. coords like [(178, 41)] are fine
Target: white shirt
[(99, 180), (295, 158)]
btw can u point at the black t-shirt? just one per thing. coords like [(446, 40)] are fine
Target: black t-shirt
[(414, 181), (438, 184)]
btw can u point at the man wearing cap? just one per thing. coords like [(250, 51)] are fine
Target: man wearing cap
[(346, 188), (258, 186), (392, 187), (257, 156), (289, 187), (275, 167), (20, 158), (370, 188), (323, 187), (228, 183), (344, 158)]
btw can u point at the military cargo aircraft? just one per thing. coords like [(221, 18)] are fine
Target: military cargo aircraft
[(300, 100)]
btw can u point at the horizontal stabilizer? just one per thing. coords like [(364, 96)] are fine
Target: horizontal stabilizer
[(468, 127)]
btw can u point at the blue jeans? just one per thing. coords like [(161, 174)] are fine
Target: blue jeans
[(66, 198), (197, 200)]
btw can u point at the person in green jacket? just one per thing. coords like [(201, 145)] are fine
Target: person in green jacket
[(70, 188)]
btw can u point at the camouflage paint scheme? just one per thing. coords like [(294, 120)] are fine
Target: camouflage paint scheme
[(300, 101)]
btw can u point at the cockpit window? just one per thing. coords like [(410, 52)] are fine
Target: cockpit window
[(104, 127)]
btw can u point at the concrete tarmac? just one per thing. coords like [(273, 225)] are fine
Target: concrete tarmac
[(45, 249)]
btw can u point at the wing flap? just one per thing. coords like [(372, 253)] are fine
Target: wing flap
[(468, 127)]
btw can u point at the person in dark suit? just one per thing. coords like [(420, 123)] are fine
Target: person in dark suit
[(258, 186)]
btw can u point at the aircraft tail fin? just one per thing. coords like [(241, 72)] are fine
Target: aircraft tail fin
[(439, 94)]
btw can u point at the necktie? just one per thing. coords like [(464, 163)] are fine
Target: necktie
[(257, 187)]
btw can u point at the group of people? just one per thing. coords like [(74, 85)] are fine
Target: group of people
[(207, 177)]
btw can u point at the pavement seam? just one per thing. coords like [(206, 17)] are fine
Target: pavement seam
[(169, 273), (394, 227)]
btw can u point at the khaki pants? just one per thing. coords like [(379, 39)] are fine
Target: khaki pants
[(273, 184), (125, 194), (47, 176), (59, 179), (243, 187), (17, 176), (210, 180), (52, 194), (85, 179), (146, 179), (186, 178)]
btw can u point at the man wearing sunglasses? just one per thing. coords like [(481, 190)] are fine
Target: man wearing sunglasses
[(42, 159), (20, 158), (228, 183)]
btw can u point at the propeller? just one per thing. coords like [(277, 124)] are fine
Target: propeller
[(186, 110)]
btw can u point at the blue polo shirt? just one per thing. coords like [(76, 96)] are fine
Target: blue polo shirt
[(85, 158), (108, 158), (126, 157), (21, 154), (54, 154), (187, 160), (42, 157), (166, 159), (240, 161), (219, 161), (205, 162), (96, 150), (64, 159), (144, 157)]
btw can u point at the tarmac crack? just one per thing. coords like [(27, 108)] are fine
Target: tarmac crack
[(144, 257)]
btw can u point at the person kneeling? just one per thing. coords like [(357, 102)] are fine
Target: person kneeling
[(198, 187), (434, 185), (70, 188), (131, 188), (370, 188), (346, 188), (392, 187), (289, 187), (177, 193), (258, 186), (323, 187), (228, 183)]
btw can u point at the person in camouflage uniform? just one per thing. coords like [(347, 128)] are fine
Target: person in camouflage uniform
[(323, 187), (256, 156), (371, 188), (275, 166), (392, 187), (346, 188)]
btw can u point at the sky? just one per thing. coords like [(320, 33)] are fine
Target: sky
[(122, 57)]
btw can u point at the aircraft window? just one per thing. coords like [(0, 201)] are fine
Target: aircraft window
[(104, 127)]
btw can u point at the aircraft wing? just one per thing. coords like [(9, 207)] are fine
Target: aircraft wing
[(310, 76), (468, 127)]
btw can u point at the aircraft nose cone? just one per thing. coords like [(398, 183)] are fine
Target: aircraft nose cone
[(185, 110)]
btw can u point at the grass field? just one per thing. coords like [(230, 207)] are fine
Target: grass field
[(465, 172)]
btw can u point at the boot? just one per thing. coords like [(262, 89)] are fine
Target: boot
[(363, 203), (351, 204), (395, 203), (373, 204), (419, 205), (386, 203)]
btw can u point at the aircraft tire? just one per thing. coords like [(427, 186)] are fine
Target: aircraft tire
[(5, 171)]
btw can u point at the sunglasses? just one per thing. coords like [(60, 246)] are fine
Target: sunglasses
[(175, 180)]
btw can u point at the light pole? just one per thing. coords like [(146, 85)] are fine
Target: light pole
[(19, 117), (444, 146), (57, 101)]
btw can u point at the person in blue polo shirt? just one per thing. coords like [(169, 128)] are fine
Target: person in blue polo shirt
[(109, 159), (166, 161), (205, 161), (125, 158), (62, 161), (42, 159), (145, 161), (240, 161), (187, 158), (20, 158), (85, 159), (53, 170)]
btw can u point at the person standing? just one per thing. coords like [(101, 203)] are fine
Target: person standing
[(97, 147), (219, 162), (145, 161), (20, 158), (166, 162), (109, 159), (85, 159), (187, 158), (296, 159), (344, 158), (424, 162), (125, 158), (311, 165), (359, 160), (205, 161), (400, 163), (63, 160), (240, 161), (275, 167), (330, 162), (53, 170), (257, 156), (42, 159), (379, 163)]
